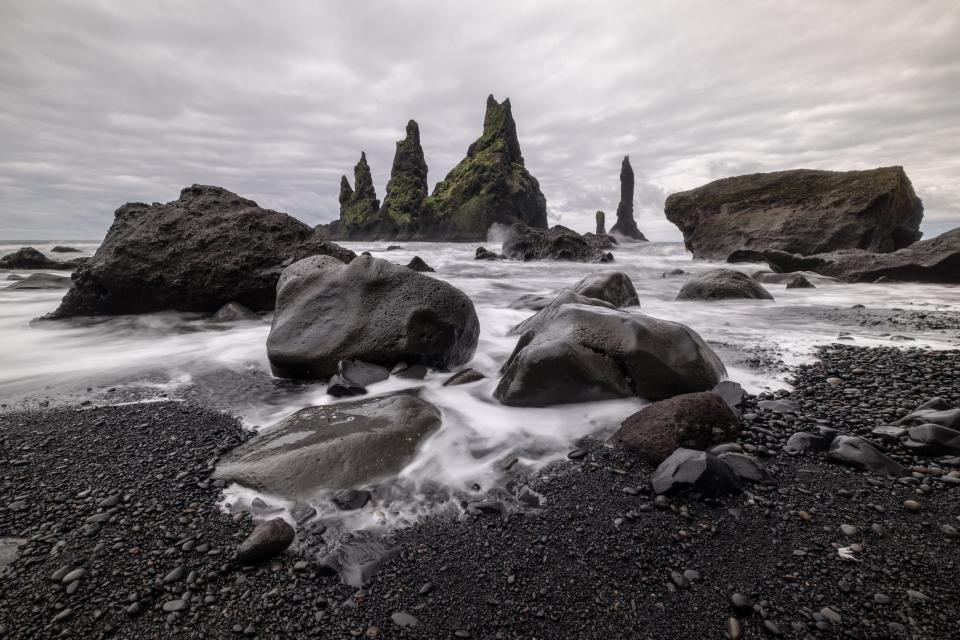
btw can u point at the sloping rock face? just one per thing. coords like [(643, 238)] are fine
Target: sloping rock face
[(722, 284), (585, 353), (197, 253), (370, 310), (800, 211), (557, 243), (332, 446), (933, 260), (625, 225), (490, 186)]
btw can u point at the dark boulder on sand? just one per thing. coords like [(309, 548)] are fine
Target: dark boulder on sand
[(335, 446), (691, 471), (30, 258), (625, 225), (799, 211), (722, 284), (587, 353), (557, 243), (197, 253), (370, 310), (933, 260), (690, 420)]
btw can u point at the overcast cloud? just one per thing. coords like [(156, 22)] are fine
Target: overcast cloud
[(114, 101)]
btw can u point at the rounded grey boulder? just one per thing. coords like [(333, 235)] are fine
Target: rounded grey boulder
[(370, 310), (266, 540), (722, 284)]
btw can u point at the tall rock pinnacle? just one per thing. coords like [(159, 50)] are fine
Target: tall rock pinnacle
[(359, 204), (601, 223), (408, 179), (626, 226)]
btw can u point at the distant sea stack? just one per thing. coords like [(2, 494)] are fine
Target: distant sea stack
[(800, 211), (601, 223), (489, 186), (625, 225)]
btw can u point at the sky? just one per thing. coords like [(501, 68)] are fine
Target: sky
[(104, 102)]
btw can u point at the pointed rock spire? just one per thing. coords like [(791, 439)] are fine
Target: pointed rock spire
[(601, 223), (357, 205), (499, 132), (626, 225), (407, 187)]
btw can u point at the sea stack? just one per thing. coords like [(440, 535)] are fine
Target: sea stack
[(625, 225), (407, 187), (358, 205), (601, 223)]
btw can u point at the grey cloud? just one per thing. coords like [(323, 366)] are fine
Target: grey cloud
[(115, 101)]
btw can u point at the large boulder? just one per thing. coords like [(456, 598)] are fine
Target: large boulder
[(933, 260), (799, 211), (691, 420), (625, 225), (30, 258), (197, 253), (722, 284), (587, 353), (613, 287), (557, 243), (370, 310), (335, 446), (490, 186), (549, 312)]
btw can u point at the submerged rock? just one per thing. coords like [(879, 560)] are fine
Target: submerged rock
[(234, 312), (722, 284), (933, 260), (690, 420), (591, 353), (30, 258), (417, 264), (334, 446), (42, 281), (464, 377), (266, 540), (687, 470), (197, 253), (625, 225), (799, 211), (557, 243), (799, 282), (63, 249), (370, 310), (485, 254)]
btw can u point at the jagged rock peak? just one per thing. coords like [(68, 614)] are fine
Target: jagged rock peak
[(625, 224), (360, 203), (499, 132), (408, 178)]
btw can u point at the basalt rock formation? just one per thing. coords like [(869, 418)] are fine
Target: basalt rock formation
[(407, 187), (30, 258), (601, 223), (625, 225), (799, 211), (359, 206), (197, 253), (556, 243)]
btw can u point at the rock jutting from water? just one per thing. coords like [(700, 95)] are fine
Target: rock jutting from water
[(197, 253), (722, 284), (611, 286), (601, 223), (556, 243), (799, 211), (625, 225), (30, 258)]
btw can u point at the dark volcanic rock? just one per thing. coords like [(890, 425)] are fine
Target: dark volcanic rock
[(370, 310), (332, 446), (352, 378), (857, 452), (585, 354), (933, 260), (358, 204), (197, 253), (357, 559), (490, 186), (557, 243), (546, 315), (601, 223), (613, 287), (417, 264), (234, 312), (799, 211), (690, 420), (63, 249), (731, 393), (407, 186), (687, 470), (625, 225), (722, 284), (266, 540), (42, 281), (485, 254), (747, 468), (933, 439), (30, 258), (464, 377), (799, 282)]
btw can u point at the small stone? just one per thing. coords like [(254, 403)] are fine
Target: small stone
[(911, 505), (267, 539), (882, 598), (848, 530), (806, 516), (404, 619), (831, 615), (74, 575), (741, 604), (173, 606), (176, 575), (733, 628)]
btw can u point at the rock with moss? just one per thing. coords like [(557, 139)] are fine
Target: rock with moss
[(800, 211), (358, 204), (407, 187), (490, 186), (625, 225)]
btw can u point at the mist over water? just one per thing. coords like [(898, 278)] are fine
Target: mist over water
[(182, 355)]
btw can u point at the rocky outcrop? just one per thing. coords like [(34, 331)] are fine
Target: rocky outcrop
[(335, 446), (42, 281), (587, 353), (370, 310), (30, 258), (197, 253), (625, 225), (613, 287), (722, 284), (601, 223), (799, 211), (933, 260), (485, 254), (557, 243), (407, 187), (359, 206)]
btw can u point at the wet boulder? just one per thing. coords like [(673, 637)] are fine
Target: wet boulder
[(265, 541), (417, 264), (799, 281), (332, 446), (234, 312), (485, 254), (353, 377), (722, 284), (197, 253), (691, 421), (587, 353), (860, 454), (690, 471), (547, 314), (610, 286), (556, 243), (733, 394), (370, 310), (464, 377)]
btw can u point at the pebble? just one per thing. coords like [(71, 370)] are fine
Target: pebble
[(848, 530), (173, 606), (741, 604), (911, 505), (74, 575)]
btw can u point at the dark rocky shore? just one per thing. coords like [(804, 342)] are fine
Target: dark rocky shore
[(117, 504)]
